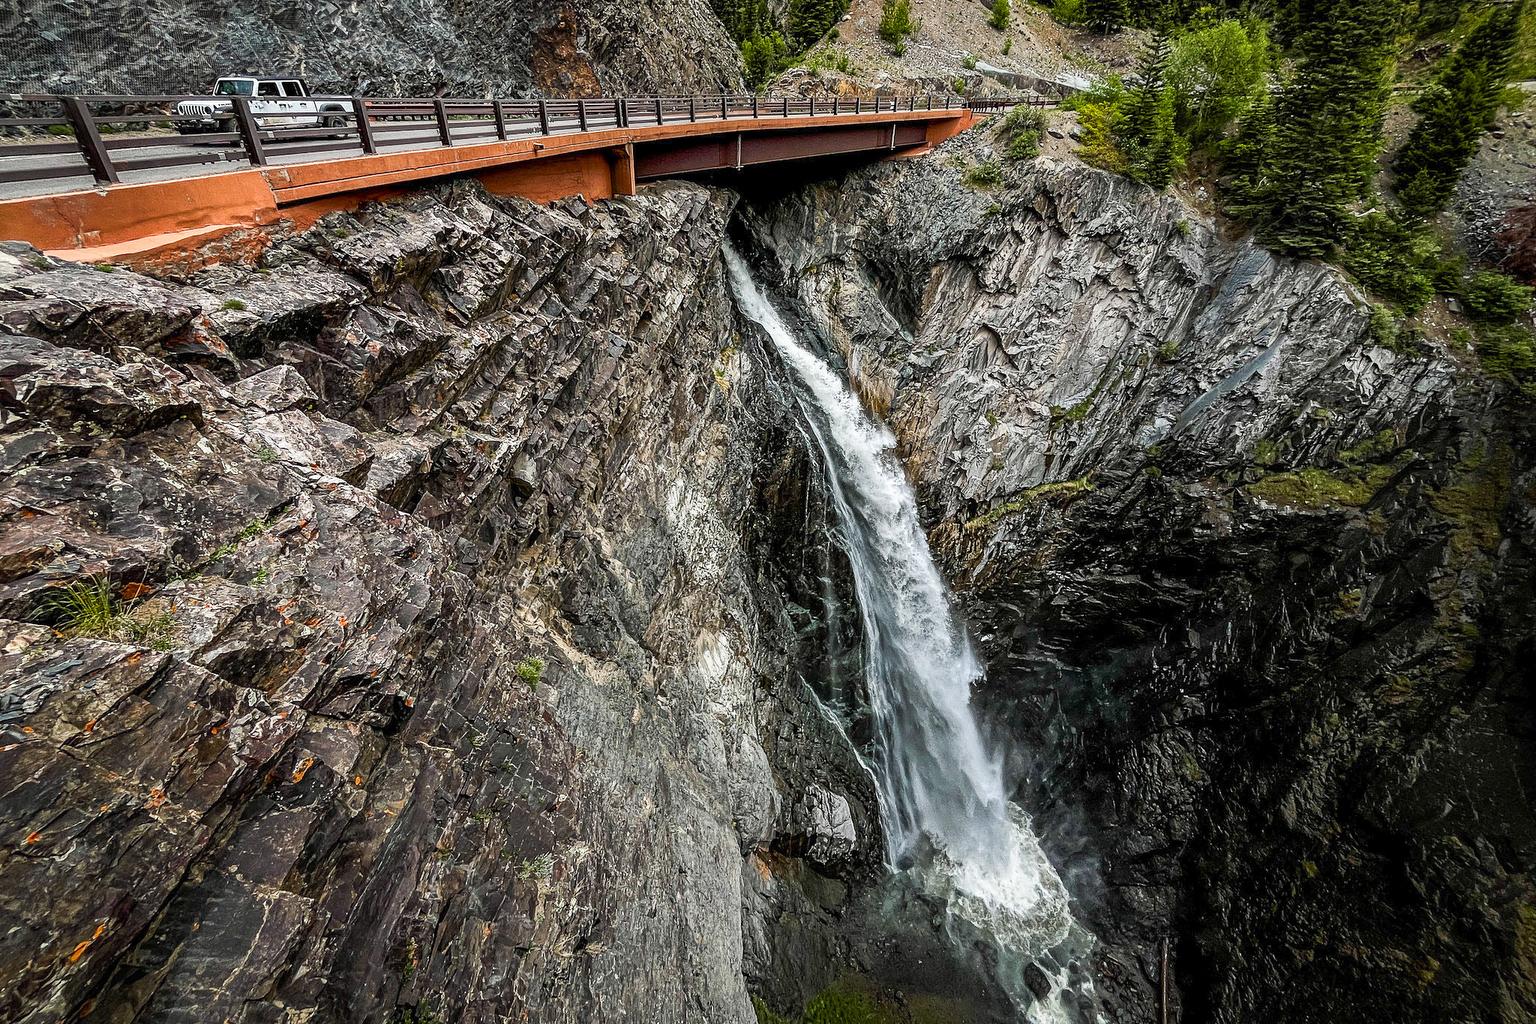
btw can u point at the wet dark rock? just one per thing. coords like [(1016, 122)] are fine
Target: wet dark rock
[(1254, 595)]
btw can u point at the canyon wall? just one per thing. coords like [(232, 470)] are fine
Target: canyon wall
[(446, 670), (1253, 587)]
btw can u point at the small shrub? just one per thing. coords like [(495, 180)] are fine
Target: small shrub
[(1391, 259), (531, 671), (234, 304), (1001, 13), (896, 22), (1100, 117), (984, 175), (1007, 46), (767, 1016), (1168, 351), (1509, 353), (1382, 329), (1070, 12), (969, 63), (960, 86), (1494, 298), (540, 868), (845, 1006), (1021, 130)]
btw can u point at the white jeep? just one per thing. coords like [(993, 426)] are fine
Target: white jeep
[(288, 96)]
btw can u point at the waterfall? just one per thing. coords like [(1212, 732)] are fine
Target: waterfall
[(943, 799)]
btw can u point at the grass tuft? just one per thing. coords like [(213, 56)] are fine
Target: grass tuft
[(89, 609)]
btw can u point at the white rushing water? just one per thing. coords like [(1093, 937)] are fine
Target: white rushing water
[(943, 799)]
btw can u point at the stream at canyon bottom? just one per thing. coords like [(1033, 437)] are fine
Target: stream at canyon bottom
[(944, 802)]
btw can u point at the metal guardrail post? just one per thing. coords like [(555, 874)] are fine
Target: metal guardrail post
[(543, 117), (786, 106), (443, 131), (581, 114), (621, 112), (754, 104), (858, 103), (364, 129), (89, 139), (693, 109), (659, 119), (834, 106), (250, 135), (724, 110), (501, 119)]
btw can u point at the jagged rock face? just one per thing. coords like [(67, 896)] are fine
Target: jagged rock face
[(454, 675), (1255, 594), (523, 47)]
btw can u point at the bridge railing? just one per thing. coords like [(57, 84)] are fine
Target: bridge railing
[(48, 137)]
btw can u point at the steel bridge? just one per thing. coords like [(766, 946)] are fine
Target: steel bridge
[(102, 177)]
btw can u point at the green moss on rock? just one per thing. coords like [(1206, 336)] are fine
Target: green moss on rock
[(1313, 488), (1473, 501), (1028, 497)]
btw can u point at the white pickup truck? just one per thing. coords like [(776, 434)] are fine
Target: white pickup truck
[(268, 96)]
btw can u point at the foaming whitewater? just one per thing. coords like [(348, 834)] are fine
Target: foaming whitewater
[(947, 816)]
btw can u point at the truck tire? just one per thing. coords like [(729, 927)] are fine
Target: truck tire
[(331, 117)]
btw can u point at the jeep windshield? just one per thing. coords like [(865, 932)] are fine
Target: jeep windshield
[(233, 87)]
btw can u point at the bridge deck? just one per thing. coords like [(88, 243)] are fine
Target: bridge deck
[(172, 191)]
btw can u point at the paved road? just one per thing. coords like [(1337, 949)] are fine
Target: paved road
[(222, 158)]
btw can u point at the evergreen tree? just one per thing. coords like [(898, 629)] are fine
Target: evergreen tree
[(1454, 113), (1162, 152), (764, 55), (1328, 125), (1147, 134), (1438, 15), (1001, 13), (809, 20), (1142, 109), (1245, 156), (1107, 15), (896, 23), (744, 19)]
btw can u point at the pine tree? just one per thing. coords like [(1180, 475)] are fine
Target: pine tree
[(1162, 153), (1245, 156), (1107, 15), (809, 20), (1328, 125), (896, 22), (1141, 111), (1454, 113), (1001, 13)]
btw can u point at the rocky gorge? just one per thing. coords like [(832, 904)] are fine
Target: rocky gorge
[(478, 643)]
